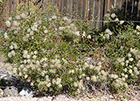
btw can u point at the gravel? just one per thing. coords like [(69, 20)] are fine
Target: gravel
[(59, 98), (65, 98)]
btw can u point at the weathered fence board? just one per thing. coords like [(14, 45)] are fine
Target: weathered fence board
[(90, 9)]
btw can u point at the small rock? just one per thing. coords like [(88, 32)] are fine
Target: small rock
[(1, 93), (10, 91), (26, 92)]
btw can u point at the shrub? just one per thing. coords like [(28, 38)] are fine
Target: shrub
[(121, 42), (57, 55), (46, 49)]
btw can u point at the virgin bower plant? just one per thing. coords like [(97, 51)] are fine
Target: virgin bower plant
[(46, 49), (121, 43)]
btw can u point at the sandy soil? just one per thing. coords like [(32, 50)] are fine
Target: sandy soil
[(63, 98)]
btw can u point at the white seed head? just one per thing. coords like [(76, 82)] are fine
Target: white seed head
[(138, 27), (122, 63), (9, 55), (54, 17), (35, 52), (48, 84), (26, 76), (94, 78), (89, 36), (13, 53), (34, 57), (75, 84), (32, 33), (116, 20), (121, 22), (28, 56), (10, 18), (123, 79), (129, 54), (17, 17), (88, 78), (5, 35), (11, 47), (84, 34), (108, 31), (77, 33), (29, 30), (59, 86), (15, 23), (125, 70), (126, 76), (130, 71), (131, 59), (8, 23), (23, 15), (113, 15), (46, 31)]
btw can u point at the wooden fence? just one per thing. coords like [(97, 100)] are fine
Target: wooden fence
[(91, 9)]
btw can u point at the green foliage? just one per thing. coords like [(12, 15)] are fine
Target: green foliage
[(58, 55), (46, 49), (121, 42)]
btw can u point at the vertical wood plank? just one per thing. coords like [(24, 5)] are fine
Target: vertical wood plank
[(76, 8), (90, 9), (65, 7), (106, 6), (132, 9), (55, 2), (138, 14), (59, 5), (94, 13), (94, 9), (111, 5), (70, 8), (115, 3), (98, 14), (4, 10), (14, 5), (7, 8), (119, 4), (101, 13), (79, 8), (85, 8), (62, 6), (74, 12), (51, 2), (10, 6), (17, 3), (82, 3), (126, 3)]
